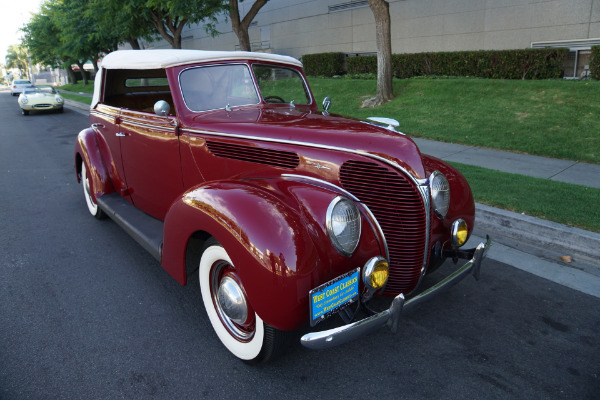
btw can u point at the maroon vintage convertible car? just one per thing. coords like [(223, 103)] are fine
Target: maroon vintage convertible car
[(221, 163)]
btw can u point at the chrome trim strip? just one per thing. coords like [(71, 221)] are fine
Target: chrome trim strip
[(126, 121), (364, 208), (421, 184), (377, 227), (322, 183)]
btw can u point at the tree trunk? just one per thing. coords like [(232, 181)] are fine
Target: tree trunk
[(82, 72), (381, 12), (71, 75), (133, 42), (95, 64), (240, 27)]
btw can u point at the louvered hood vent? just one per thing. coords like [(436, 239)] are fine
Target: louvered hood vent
[(398, 207), (276, 158)]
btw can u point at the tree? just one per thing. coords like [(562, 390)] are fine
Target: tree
[(42, 37), (16, 57), (381, 12), (124, 21), (240, 27)]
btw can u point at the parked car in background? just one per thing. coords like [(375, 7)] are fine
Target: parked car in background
[(18, 85), (40, 98), (220, 164)]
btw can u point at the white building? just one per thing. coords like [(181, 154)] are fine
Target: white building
[(298, 27)]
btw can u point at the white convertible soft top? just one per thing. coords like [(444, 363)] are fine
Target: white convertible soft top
[(165, 58)]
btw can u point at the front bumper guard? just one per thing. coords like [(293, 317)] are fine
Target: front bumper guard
[(391, 316)]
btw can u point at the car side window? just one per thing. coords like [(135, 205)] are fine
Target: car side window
[(137, 90), (214, 87)]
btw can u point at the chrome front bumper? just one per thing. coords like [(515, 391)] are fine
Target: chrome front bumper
[(391, 316)]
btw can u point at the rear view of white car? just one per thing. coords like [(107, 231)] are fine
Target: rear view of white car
[(18, 85)]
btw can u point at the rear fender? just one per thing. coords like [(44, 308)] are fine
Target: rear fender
[(273, 232), (88, 151)]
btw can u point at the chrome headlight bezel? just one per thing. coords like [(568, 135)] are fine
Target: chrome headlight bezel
[(59, 99), (343, 223), (24, 100), (439, 190)]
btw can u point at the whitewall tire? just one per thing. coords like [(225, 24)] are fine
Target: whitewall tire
[(250, 340)]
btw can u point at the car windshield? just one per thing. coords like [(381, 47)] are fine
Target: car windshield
[(280, 85), (46, 90), (22, 82), (214, 87)]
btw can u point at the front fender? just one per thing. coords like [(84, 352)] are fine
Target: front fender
[(462, 204), (88, 150), (274, 232)]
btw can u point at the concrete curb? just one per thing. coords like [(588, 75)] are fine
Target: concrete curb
[(77, 106), (538, 232)]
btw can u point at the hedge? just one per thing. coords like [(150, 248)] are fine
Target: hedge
[(499, 64), (324, 64), (595, 63)]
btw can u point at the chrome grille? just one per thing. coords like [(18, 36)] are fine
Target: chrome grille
[(398, 207)]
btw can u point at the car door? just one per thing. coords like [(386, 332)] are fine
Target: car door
[(105, 121), (150, 152)]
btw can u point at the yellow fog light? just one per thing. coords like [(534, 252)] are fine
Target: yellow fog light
[(376, 272), (459, 232)]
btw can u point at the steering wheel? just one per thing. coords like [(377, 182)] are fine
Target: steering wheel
[(279, 99)]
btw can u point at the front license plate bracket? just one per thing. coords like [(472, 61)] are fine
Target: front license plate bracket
[(329, 298)]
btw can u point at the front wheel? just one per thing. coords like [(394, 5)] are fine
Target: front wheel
[(87, 192), (232, 317)]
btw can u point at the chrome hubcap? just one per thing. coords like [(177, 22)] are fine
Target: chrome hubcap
[(232, 300)]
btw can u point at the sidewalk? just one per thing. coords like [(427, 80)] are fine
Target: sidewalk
[(539, 167)]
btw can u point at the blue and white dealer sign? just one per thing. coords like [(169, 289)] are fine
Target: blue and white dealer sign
[(332, 296)]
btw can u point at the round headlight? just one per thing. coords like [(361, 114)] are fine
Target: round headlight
[(440, 193), (58, 99), (343, 225), (23, 100)]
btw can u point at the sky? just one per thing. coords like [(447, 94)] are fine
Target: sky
[(13, 15)]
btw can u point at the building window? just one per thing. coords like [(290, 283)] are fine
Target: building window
[(350, 5)]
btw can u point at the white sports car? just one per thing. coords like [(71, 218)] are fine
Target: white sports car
[(40, 98)]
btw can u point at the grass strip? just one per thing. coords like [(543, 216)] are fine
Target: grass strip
[(79, 87), (75, 97), (565, 203)]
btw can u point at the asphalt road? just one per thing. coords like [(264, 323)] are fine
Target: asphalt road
[(86, 313)]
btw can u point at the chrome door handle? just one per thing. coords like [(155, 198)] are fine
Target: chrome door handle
[(121, 134), (96, 125)]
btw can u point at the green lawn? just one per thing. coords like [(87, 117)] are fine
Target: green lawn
[(561, 202), (79, 87), (552, 118)]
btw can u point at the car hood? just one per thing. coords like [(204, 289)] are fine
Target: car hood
[(40, 96), (305, 126)]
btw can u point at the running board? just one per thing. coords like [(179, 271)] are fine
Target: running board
[(146, 230)]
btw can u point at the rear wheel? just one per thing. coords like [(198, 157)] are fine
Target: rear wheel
[(87, 192), (232, 317)]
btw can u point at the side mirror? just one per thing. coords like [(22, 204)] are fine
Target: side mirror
[(326, 103), (162, 108)]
